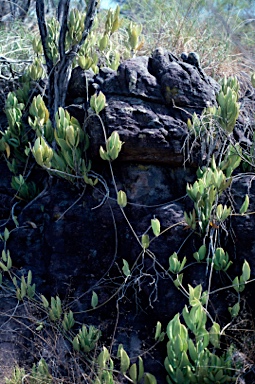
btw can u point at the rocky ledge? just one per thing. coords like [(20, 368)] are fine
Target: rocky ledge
[(73, 249)]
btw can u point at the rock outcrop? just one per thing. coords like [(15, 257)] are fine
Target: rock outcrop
[(74, 248)]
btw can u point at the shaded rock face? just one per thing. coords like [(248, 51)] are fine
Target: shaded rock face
[(148, 103), (74, 248)]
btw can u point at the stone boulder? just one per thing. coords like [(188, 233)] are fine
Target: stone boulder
[(74, 241), (148, 103)]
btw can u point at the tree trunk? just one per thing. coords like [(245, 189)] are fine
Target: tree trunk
[(59, 74)]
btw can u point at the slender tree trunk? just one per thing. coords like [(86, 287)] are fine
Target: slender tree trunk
[(60, 73)]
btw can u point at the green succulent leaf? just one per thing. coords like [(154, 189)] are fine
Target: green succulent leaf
[(158, 330), (234, 311), (94, 300), (103, 357), (149, 378), (76, 343), (246, 271), (3, 267), (133, 373), (124, 360), (9, 262), (122, 199), (145, 241), (6, 234), (236, 284), (155, 225), (125, 268), (245, 205), (98, 102), (178, 281), (214, 335), (141, 369)]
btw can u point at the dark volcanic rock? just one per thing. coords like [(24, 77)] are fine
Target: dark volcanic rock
[(74, 245), (149, 133), (148, 103)]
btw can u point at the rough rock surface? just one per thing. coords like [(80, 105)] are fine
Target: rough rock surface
[(148, 102), (73, 249)]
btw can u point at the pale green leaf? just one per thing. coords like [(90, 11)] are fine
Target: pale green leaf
[(155, 224), (234, 311), (235, 284), (6, 234), (133, 373), (4, 256), (124, 361), (94, 300), (103, 358), (125, 268), (145, 241), (45, 301), (149, 378), (158, 330), (245, 205), (9, 261), (246, 271), (202, 252), (141, 368), (3, 267), (214, 335), (122, 199), (178, 281)]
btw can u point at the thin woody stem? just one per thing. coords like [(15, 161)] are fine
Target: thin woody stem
[(40, 13)]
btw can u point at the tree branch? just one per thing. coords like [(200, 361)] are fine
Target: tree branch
[(40, 13), (60, 73), (63, 9), (90, 16), (64, 67), (88, 23)]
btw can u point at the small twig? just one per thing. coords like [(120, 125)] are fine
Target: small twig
[(24, 377), (6, 60), (41, 194), (72, 205), (115, 327), (90, 16), (103, 182), (231, 286), (10, 316), (12, 212)]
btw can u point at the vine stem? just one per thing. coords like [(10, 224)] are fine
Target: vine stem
[(115, 185), (212, 248)]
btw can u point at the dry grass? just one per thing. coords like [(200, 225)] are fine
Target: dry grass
[(224, 41)]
